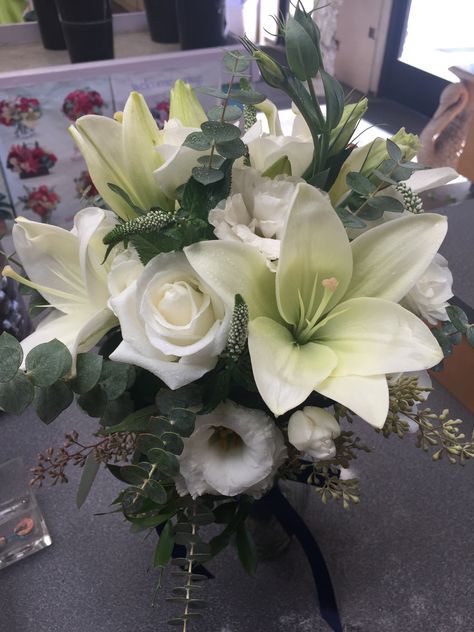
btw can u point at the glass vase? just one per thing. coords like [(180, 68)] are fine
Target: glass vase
[(270, 538)]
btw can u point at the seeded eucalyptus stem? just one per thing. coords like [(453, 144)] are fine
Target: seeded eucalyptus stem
[(224, 107), (189, 571)]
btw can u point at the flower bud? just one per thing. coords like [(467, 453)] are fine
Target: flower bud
[(313, 430), (341, 135), (271, 70), (185, 106)]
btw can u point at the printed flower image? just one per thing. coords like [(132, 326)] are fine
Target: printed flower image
[(21, 113), (30, 161), (81, 102), (42, 200), (161, 112), (84, 186)]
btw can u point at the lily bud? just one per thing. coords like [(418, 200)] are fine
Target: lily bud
[(185, 106), (313, 430)]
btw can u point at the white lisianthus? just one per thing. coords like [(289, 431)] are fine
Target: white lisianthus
[(172, 323), (313, 430), (66, 268), (267, 149), (430, 294), (256, 211), (233, 450)]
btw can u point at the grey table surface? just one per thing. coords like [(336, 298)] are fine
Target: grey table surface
[(401, 561)]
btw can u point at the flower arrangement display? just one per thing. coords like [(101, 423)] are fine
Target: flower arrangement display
[(246, 299), (30, 161), (21, 113), (42, 200), (82, 102), (161, 113)]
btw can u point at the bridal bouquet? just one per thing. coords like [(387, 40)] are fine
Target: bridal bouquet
[(245, 296)]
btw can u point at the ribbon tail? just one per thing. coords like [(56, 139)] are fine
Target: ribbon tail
[(293, 524)]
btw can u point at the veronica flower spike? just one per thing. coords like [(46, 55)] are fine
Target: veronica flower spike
[(329, 320)]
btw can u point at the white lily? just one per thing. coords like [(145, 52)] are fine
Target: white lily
[(185, 106), (329, 320), (123, 153), (65, 267)]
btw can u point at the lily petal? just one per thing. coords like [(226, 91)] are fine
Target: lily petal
[(231, 268), (371, 336), (285, 373), (390, 258), (315, 247), (50, 257), (365, 396), (100, 141)]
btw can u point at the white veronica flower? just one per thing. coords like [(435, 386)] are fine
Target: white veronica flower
[(429, 296), (233, 450), (313, 430), (256, 211), (172, 323)]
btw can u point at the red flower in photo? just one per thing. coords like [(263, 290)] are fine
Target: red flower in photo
[(42, 200), (161, 113), (81, 102), (84, 186), (21, 112), (30, 161)]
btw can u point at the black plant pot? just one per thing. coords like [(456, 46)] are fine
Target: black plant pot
[(201, 23), (87, 28), (49, 26), (162, 20)]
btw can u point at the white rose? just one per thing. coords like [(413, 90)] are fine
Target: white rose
[(266, 149), (125, 268), (233, 450), (429, 297), (313, 430), (256, 211), (172, 323)]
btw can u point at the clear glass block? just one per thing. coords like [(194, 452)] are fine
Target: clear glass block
[(23, 530)]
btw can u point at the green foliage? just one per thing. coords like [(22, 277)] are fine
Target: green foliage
[(88, 372), (48, 362), (89, 473), (50, 401), (11, 356), (16, 394), (246, 549), (229, 114), (164, 547)]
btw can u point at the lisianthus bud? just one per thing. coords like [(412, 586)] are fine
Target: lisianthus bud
[(271, 70), (302, 47), (341, 135), (313, 430)]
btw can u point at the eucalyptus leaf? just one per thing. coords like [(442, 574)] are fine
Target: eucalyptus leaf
[(394, 150), (218, 132), (236, 62), (172, 442), (184, 397), (133, 474), (93, 402), (470, 335), (155, 491), (167, 463), (147, 442), (458, 318), (385, 203), (359, 183), (247, 97), (89, 472), (229, 114), (114, 378), (50, 401), (216, 161), (88, 370), (16, 394), (232, 149), (197, 141), (11, 356), (349, 219), (48, 362), (182, 421), (206, 176)]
